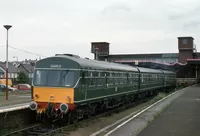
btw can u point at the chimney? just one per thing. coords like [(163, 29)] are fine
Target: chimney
[(185, 46), (100, 50)]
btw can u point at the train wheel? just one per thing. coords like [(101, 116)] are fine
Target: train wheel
[(73, 118), (37, 117), (88, 113), (65, 119)]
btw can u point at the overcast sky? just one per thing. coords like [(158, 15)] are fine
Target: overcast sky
[(48, 27)]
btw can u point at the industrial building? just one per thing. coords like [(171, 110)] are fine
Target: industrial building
[(186, 62)]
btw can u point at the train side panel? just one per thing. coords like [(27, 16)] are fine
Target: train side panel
[(104, 85), (150, 79), (169, 78)]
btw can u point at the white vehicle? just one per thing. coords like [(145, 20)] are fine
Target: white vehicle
[(3, 88)]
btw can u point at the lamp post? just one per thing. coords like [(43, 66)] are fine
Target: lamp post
[(16, 61), (7, 28), (16, 65)]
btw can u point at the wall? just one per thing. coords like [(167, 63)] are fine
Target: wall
[(16, 120), (187, 45), (184, 55)]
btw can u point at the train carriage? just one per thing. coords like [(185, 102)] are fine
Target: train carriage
[(169, 79), (65, 84), (150, 79)]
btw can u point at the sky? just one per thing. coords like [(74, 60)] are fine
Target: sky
[(48, 27)]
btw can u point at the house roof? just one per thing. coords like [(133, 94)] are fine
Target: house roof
[(11, 67), (28, 67), (1, 70)]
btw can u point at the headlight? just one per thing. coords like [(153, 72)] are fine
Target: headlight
[(64, 107), (33, 105), (36, 96)]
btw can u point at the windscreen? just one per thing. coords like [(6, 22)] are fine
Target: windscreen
[(54, 78)]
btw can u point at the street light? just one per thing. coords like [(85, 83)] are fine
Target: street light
[(7, 28), (15, 57)]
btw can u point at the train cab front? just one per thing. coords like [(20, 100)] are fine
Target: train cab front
[(53, 92), (54, 102)]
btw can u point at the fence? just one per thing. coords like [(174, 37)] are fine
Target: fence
[(186, 81)]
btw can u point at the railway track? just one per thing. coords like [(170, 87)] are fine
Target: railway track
[(34, 130), (23, 131), (51, 129)]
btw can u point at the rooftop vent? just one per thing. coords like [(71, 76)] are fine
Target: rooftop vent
[(71, 55)]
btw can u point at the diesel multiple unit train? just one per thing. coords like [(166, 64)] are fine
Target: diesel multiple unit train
[(75, 87)]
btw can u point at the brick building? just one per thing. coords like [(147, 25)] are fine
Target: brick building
[(186, 62)]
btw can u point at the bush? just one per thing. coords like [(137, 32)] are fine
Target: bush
[(22, 78), (158, 97)]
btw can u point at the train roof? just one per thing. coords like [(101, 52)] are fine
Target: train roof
[(168, 72), (94, 64), (149, 70)]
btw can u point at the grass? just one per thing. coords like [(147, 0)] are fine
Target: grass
[(158, 97)]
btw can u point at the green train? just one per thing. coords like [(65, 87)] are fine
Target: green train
[(76, 87)]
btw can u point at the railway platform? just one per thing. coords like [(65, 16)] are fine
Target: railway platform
[(180, 118), (16, 101)]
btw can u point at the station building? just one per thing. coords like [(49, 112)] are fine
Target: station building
[(186, 63)]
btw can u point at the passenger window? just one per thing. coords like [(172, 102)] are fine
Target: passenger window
[(91, 74), (69, 80), (142, 78), (83, 76)]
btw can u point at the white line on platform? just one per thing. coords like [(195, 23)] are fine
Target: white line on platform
[(24, 96), (110, 132), (134, 115), (14, 107)]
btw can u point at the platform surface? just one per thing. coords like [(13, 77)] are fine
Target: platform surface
[(180, 118), (15, 98)]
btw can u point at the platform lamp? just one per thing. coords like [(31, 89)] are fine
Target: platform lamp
[(7, 28)]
